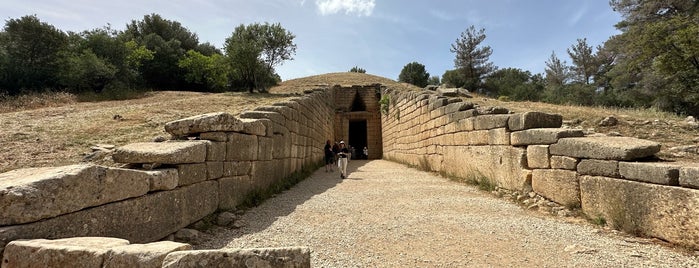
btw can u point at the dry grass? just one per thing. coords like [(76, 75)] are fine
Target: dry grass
[(52, 130)]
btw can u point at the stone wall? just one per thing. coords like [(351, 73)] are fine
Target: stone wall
[(609, 178), (214, 161), (346, 101)]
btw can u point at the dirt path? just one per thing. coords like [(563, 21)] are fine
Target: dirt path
[(388, 215)]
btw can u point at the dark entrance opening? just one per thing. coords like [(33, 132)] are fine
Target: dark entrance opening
[(358, 138), (358, 104)]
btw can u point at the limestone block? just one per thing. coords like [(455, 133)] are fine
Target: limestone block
[(149, 255), (563, 162), (216, 151), (666, 212), (559, 185), (529, 120), (140, 220), (233, 191), (689, 176), (505, 166), (542, 136), (88, 252), (457, 107), (465, 124), (191, 173), (241, 147), (282, 110), (478, 137), (499, 136), (170, 152), (162, 179), (266, 147), (298, 257), (257, 127), (596, 167), (214, 136), (490, 121), (538, 156), (605, 148), (658, 173), (32, 194), (210, 122), (214, 170), (273, 116)]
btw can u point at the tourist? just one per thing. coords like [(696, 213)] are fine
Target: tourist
[(336, 150), (329, 157), (366, 153), (343, 155)]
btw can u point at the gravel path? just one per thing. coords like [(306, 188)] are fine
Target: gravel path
[(388, 215)]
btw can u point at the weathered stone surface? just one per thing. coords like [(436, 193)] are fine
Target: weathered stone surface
[(559, 185), (273, 116), (563, 162), (210, 122), (596, 167), (233, 191), (666, 212), (241, 147), (216, 151), (490, 121), (88, 252), (266, 147), (31, 194), (255, 126), (214, 170), (162, 179), (538, 156), (298, 257), (605, 148), (658, 173), (498, 136), (542, 136), (528, 120), (689, 176), (149, 255), (139, 220), (448, 92), (191, 173), (214, 136), (236, 168), (171, 152), (503, 165)]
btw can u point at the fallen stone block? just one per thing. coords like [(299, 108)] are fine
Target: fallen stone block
[(542, 136), (172, 152), (605, 148), (88, 252), (529, 120), (658, 173), (297, 257), (210, 122), (149, 255), (32, 194)]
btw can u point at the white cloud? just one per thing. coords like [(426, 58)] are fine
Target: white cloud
[(358, 7)]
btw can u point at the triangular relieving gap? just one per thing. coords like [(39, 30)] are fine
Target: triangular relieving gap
[(357, 103)]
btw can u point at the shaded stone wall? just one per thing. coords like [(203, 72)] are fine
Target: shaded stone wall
[(368, 97), (607, 177), (215, 161)]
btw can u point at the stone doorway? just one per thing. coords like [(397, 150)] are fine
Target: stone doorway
[(357, 118), (358, 137)]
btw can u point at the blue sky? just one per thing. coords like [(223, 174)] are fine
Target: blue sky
[(380, 36)]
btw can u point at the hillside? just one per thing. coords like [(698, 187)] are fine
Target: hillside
[(62, 134)]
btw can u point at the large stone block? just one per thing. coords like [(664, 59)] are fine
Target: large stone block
[(498, 136), (214, 170), (241, 147), (149, 255), (538, 156), (210, 122), (605, 148), (559, 185), (298, 257), (689, 176), (162, 179), (191, 173), (87, 252), (214, 136), (32, 194), (233, 191), (504, 166), (140, 220), (596, 167), (273, 116), (170, 152), (542, 136), (666, 212), (482, 122), (266, 147), (563, 162), (216, 151), (236, 168), (658, 173), (528, 120)]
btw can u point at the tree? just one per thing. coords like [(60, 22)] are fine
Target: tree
[(453, 78), (30, 54), (211, 72), (356, 69), (472, 58), (254, 50), (434, 80), (584, 62), (414, 73), (514, 83), (557, 76)]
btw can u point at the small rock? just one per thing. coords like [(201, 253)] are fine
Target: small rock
[(614, 134), (159, 139), (225, 219), (608, 121), (533, 207), (532, 194), (117, 117), (690, 119), (239, 224), (188, 236)]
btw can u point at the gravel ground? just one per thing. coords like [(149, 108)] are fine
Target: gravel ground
[(388, 215)]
